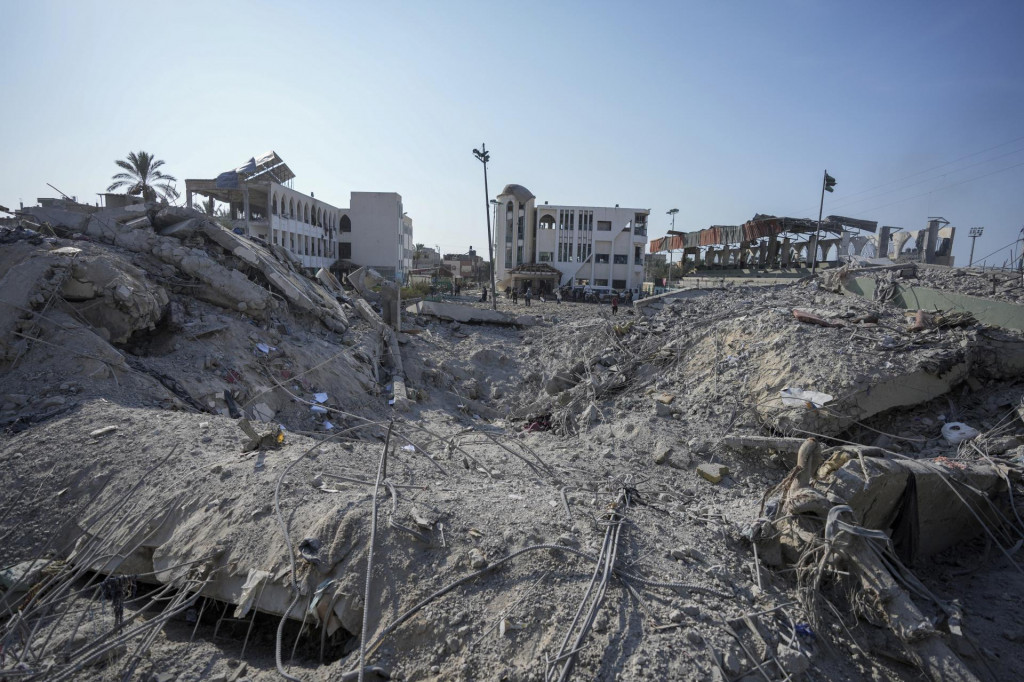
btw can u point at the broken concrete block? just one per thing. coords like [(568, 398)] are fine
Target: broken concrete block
[(527, 320), (665, 398), (561, 381), (713, 473), (139, 223), (662, 452), (180, 230), (263, 412), (791, 660), (75, 290), (662, 410)]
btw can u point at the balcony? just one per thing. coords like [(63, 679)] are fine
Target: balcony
[(640, 229)]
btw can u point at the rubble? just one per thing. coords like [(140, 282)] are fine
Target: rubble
[(711, 488)]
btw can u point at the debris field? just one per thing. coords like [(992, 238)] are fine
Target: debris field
[(218, 467)]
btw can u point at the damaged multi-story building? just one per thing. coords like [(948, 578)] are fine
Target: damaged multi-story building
[(770, 242), (548, 246), (373, 230)]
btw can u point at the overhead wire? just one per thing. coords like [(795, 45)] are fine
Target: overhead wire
[(844, 203), (848, 200)]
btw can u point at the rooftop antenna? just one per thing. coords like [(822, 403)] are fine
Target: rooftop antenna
[(62, 193)]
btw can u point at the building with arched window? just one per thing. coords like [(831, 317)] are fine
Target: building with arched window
[(599, 247), (262, 204)]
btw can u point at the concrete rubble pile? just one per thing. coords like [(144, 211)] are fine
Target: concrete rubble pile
[(748, 483), (183, 307)]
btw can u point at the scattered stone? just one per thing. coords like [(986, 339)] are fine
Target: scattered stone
[(731, 662), (792, 661), (477, 560), (662, 452), (714, 473), (100, 432)]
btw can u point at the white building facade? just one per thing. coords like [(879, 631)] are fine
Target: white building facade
[(373, 231), (376, 232), (599, 247)]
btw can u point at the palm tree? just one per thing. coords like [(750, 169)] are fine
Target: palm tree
[(143, 178)]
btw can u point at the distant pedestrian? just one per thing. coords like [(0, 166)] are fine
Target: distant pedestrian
[(515, 295), (529, 295), (615, 304), (558, 296)]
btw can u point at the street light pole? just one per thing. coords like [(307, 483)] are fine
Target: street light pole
[(974, 234), (671, 212), (484, 156)]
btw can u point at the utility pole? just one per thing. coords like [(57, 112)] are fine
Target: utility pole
[(484, 156), (671, 212), (827, 183), (974, 234)]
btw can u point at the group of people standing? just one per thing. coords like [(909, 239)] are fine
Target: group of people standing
[(527, 295), (576, 295)]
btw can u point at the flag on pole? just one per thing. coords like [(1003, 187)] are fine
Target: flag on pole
[(830, 182)]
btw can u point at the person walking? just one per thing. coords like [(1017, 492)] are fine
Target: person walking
[(529, 295), (558, 296), (615, 304), (515, 295)]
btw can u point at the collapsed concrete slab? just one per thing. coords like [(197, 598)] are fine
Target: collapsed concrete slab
[(652, 304), (906, 295), (952, 498), (934, 373), (871, 513), (461, 313), (224, 285)]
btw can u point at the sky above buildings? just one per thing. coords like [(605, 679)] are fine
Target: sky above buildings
[(720, 109)]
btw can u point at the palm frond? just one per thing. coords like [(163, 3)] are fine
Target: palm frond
[(162, 176)]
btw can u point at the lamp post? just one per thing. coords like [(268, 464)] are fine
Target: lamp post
[(671, 212), (974, 234), (484, 156)]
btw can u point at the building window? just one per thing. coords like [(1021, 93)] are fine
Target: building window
[(621, 259), (640, 224), (580, 282), (547, 223), (545, 256), (601, 258), (604, 225), (618, 284), (638, 255), (345, 225), (510, 210), (600, 282), (587, 220), (345, 250), (273, 205)]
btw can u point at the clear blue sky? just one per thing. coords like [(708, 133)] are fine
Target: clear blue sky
[(722, 109)]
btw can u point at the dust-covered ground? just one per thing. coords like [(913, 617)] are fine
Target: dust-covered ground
[(559, 500)]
